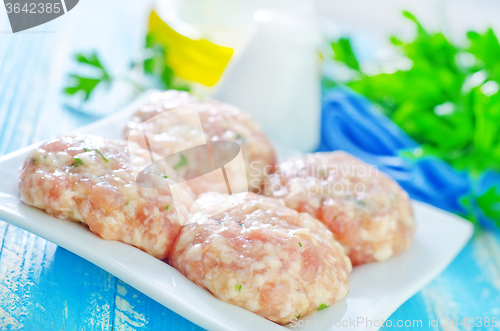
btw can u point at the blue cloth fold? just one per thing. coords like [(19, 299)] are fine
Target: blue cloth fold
[(350, 123)]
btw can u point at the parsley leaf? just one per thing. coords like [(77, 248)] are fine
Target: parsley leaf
[(343, 52), (486, 48), (98, 152), (87, 84), (155, 64), (90, 59)]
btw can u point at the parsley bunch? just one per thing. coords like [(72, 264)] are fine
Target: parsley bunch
[(448, 100)]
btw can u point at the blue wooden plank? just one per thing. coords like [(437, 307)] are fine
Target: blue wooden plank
[(135, 311), (468, 288)]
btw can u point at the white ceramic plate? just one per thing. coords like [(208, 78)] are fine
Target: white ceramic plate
[(377, 289)]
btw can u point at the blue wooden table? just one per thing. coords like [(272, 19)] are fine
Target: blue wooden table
[(45, 287)]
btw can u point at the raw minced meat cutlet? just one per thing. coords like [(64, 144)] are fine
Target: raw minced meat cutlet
[(368, 212), (171, 132), (91, 180), (256, 253)]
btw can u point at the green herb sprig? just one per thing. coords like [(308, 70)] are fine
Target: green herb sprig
[(98, 152), (182, 162), (149, 70), (85, 84)]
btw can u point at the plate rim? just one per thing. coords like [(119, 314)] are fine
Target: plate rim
[(185, 309)]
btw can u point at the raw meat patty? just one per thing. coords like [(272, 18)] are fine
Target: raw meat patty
[(258, 254), (368, 212), (91, 180), (169, 133)]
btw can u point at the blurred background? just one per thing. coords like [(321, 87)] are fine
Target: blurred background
[(412, 87)]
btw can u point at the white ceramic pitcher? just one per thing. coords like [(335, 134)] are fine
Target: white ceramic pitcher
[(276, 76)]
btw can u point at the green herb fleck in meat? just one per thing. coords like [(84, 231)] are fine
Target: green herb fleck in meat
[(322, 306), (240, 138), (182, 163), (77, 162)]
